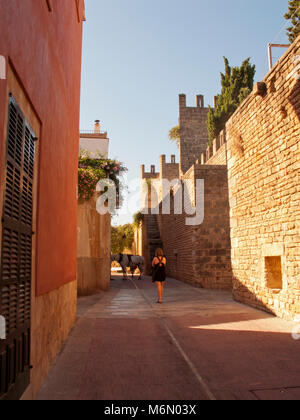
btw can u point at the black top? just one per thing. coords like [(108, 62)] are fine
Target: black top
[(159, 270)]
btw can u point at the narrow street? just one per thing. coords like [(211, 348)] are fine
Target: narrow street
[(198, 345)]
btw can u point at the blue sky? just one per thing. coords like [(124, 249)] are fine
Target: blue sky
[(139, 55)]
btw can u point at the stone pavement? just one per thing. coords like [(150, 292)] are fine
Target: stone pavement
[(198, 345)]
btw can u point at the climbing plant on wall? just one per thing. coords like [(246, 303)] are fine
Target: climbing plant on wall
[(237, 83), (92, 169)]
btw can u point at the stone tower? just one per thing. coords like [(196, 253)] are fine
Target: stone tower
[(193, 132)]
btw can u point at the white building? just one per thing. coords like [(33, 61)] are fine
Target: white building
[(95, 142)]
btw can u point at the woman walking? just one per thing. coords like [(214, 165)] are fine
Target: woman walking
[(159, 272)]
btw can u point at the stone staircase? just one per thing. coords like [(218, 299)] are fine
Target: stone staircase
[(153, 235)]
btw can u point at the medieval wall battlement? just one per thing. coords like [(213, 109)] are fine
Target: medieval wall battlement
[(168, 170), (149, 175), (163, 160), (217, 153)]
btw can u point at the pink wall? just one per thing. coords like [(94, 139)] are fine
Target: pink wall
[(45, 49)]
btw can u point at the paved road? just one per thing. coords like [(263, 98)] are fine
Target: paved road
[(198, 345)]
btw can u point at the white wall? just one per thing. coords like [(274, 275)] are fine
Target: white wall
[(94, 145)]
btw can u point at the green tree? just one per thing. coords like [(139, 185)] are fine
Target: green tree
[(237, 83), (138, 219), (294, 16), (174, 134), (122, 238)]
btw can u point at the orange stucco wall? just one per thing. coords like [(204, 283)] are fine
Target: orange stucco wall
[(44, 48)]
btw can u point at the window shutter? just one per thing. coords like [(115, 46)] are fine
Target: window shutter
[(16, 254)]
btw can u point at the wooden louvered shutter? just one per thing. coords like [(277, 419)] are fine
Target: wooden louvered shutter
[(16, 254)]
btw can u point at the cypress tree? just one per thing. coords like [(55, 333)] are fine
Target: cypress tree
[(237, 83), (294, 16)]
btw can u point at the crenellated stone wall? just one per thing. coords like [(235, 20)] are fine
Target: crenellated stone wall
[(217, 154), (200, 254), (169, 170), (250, 237), (264, 190)]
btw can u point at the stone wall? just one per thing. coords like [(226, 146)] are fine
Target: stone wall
[(193, 132), (200, 255), (264, 183), (53, 315), (178, 244), (93, 249), (251, 231), (151, 240)]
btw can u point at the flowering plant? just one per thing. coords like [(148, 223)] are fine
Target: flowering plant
[(92, 170)]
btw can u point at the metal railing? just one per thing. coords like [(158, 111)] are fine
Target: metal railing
[(92, 132)]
